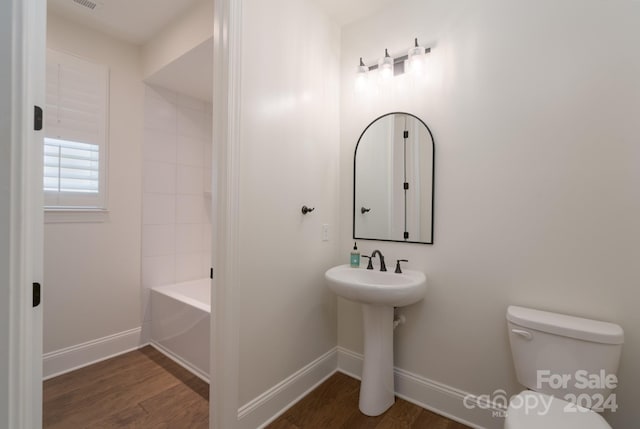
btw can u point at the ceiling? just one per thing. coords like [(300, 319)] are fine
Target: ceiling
[(346, 12), (135, 21), (138, 21)]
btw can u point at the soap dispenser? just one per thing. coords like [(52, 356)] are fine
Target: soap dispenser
[(355, 257)]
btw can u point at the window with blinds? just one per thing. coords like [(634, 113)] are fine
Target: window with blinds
[(75, 143)]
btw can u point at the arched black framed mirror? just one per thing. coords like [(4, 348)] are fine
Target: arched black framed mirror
[(393, 178)]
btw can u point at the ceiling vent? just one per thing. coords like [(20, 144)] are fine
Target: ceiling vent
[(92, 5)]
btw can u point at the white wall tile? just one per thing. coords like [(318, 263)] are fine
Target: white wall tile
[(176, 241), (192, 103), (189, 267), (190, 209), (159, 146), (146, 304), (207, 210), (207, 160), (190, 180), (192, 123), (158, 270), (190, 151), (206, 262), (206, 237), (189, 238), (159, 177), (158, 240), (206, 180), (158, 209), (162, 94), (160, 115)]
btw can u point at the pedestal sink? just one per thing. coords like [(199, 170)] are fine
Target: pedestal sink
[(378, 292)]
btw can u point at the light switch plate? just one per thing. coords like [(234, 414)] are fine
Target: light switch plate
[(325, 232)]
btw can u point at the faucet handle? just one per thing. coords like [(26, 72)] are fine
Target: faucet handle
[(398, 269), (370, 264)]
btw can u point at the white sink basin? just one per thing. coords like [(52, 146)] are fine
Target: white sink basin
[(376, 287)]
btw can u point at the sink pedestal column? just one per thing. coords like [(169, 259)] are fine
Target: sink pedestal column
[(376, 389)]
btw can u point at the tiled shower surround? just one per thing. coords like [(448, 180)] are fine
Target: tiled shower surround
[(176, 203)]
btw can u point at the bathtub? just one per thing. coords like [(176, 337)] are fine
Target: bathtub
[(180, 315)]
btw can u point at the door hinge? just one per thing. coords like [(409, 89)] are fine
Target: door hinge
[(406, 185), (37, 118), (406, 134), (36, 294), (406, 235), (211, 274)]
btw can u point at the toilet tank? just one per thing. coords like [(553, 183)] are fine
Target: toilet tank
[(562, 355)]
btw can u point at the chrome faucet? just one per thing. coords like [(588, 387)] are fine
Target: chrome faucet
[(383, 267)]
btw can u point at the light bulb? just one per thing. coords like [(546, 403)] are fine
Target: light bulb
[(386, 66), (362, 76), (416, 58)]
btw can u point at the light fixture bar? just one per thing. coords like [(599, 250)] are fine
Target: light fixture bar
[(397, 60)]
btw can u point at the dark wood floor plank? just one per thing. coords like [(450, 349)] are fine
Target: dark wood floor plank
[(193, 408), (110, 397), (126, 418), (113, 375), (391, 423), (456, 425), (113, 394), (319, 408), (403, 412), (283, 423), (93, 374), (357, 420), (334, 404), (427, 419)]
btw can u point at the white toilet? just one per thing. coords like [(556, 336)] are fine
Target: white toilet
[(561, 357)]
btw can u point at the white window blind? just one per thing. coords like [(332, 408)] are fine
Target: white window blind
[(75, 144), (71, 166)]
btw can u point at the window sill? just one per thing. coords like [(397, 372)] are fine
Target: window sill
[(70, 215)]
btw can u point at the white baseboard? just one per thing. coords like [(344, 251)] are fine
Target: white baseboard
[(268, 406), (431, 395), (71, 358), (182, 362)]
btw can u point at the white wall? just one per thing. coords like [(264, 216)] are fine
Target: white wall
[(92, 270), (183, 34), (176, 211), (534, 109), (288, 157)]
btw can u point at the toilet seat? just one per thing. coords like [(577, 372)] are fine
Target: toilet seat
[(560, 414)]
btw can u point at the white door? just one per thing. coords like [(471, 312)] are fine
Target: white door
[(22, 74)]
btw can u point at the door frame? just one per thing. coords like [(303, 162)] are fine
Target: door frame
[(23, 197), (22, 86), (224, 349)]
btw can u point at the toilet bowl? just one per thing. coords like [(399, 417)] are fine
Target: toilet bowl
[(554, 354)]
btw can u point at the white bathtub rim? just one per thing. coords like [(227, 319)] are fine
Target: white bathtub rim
[(172, 291)]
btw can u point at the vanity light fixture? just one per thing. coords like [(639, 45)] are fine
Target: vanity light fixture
[(386, 65), (390, 66), (362, 75), (416, 56)]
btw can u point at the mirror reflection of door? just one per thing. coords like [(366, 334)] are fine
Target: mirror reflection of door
[(393, 180)]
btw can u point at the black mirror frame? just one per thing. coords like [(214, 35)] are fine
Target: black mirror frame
[(433, 173)]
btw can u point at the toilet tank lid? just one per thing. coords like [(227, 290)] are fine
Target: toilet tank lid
[(567, 326)]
